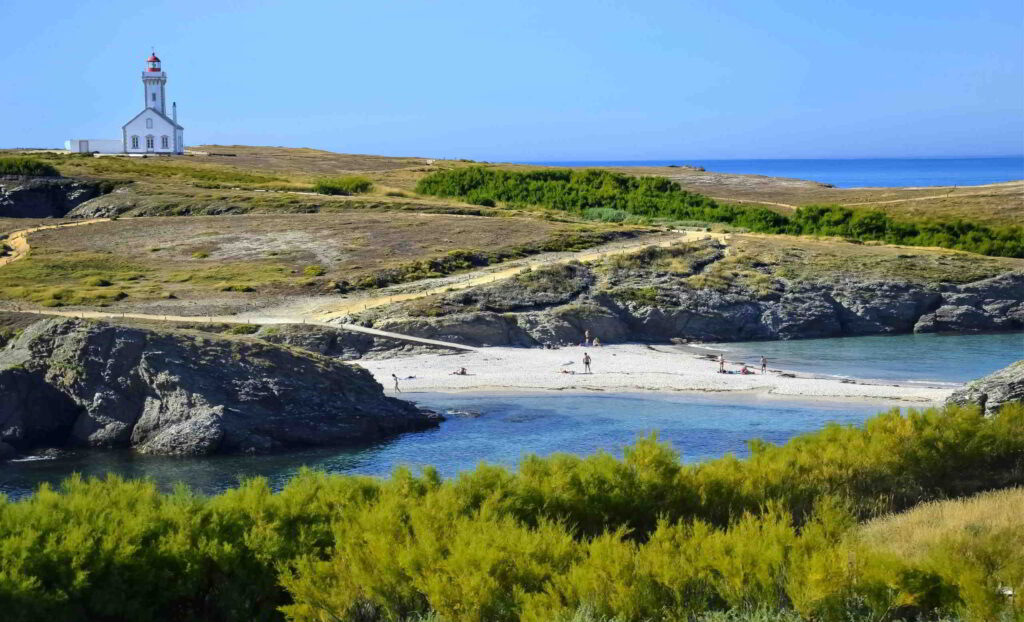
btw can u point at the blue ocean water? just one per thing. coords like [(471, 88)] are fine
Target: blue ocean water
[(502, 429), (855, 173), (928, 358)]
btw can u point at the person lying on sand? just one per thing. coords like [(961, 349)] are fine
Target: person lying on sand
[(460, 372), (746, 371)]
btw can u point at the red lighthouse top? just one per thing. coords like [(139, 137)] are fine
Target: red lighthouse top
[(154, 62)]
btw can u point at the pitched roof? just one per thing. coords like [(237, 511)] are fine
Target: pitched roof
[(157, 113)]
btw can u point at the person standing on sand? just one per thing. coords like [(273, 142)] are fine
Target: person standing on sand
[(397, 390), (721, 363), (586, 362), (586, 337), (764, 365)]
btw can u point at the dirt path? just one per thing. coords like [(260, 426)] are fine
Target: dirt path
[(300, 312), (950, 193), (482, 277), (18, 240)]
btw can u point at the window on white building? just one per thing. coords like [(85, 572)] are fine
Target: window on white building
[(163, 142), (135, 142), (149, 124), (149, 142), (153, 97)]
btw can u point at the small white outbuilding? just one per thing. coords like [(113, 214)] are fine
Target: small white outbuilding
[(94, 145)]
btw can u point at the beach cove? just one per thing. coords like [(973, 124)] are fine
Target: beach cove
[(628, 368)]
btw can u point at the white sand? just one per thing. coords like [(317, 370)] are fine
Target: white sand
[(620, 369)]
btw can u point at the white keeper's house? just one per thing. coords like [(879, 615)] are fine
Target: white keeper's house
[(151, 131)]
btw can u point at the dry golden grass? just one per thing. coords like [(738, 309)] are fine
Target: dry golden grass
[(911, 534), (253, 168), (194, 258), (753, 259)]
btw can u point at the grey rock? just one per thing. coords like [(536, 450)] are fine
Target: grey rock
[(342, 344), (70, 382), (44, 197), (991, 304), (652, 305), (994, 390)]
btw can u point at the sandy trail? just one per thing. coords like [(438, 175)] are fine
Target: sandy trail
[(622, 369), (505, 271), (306, 311), (18, 240)]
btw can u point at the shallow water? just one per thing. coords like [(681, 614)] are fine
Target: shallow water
[(929, 358), (501, 429)]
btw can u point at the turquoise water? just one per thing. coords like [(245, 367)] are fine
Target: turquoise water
[(855, 173), (501, 429), (930, 358)]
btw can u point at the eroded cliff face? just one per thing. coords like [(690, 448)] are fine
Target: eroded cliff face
[(65, 382), (45, 197), (645, 304)]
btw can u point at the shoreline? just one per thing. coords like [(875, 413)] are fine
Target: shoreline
[(627, 369)]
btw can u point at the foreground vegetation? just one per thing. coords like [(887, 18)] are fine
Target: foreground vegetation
[(561, 538), (611, 196)]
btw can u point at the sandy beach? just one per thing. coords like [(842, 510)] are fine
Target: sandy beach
[(622, 369)]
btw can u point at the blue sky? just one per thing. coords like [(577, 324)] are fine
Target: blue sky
[(530, 80)]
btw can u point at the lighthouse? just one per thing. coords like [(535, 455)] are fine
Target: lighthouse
[(153, 130)]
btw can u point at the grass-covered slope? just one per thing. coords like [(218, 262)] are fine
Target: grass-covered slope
[(609, 195), (639, 538)]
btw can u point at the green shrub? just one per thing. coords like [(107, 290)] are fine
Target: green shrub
[(96, 281), (243, 329), (314, 271), (18, 165), (645, 537), (351, 184), (602, 195), (200, 255)]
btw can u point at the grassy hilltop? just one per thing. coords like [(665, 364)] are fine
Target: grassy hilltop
[(380, 220)]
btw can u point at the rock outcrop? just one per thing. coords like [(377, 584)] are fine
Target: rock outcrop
[(648, 305), (66, 382), (45, 197), (994, 390)]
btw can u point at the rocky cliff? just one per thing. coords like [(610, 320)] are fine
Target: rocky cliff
[(644, 300), (993, 390), (45, 197), (66, 382)]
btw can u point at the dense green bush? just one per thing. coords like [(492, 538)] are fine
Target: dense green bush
[(351, 184), (17, 165), (562, 538), (599, 194)]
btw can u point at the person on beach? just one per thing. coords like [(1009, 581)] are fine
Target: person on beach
[(397, 390), (764, 365), (596, 342), (586, 337), (586, 362), (745, 371), (460, 372), (721, 363)]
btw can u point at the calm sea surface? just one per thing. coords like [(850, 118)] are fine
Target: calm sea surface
[(856, 173), (495, 428), (501, 428)]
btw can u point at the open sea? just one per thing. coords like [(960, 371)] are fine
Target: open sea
[(501, 428), (855, 173)]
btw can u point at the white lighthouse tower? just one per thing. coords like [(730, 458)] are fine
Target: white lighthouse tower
[(152, 130)]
